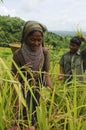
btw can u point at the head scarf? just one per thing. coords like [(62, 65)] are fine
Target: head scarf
[(33, 59), (32, 26)]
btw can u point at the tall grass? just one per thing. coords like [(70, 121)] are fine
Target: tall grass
[(64, 108)]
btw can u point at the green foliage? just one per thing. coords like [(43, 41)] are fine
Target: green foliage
[(61, 109), (55, 41), (10, 29)]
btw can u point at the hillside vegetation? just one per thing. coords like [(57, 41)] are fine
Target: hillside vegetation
[(11, 28)]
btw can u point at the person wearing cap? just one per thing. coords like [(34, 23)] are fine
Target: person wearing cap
[(33, 60), (71, 63)]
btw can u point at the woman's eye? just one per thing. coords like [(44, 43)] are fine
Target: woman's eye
[(36, 40)]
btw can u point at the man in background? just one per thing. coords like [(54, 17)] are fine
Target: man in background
[(71, 63)]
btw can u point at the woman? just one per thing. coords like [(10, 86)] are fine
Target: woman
[(32, 58)]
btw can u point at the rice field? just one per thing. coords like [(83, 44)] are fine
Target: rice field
[(64, 108)]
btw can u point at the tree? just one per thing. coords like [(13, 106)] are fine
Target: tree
[(10, 29)]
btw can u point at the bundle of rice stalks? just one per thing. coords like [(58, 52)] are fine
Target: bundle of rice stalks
[(78, 32)]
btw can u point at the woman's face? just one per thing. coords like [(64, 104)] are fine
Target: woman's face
[(34, 41)]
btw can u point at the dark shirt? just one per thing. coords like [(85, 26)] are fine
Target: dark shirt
[(73, 66)]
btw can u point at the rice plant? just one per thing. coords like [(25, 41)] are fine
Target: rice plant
[(64, 108)]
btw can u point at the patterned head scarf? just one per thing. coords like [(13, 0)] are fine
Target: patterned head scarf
[(32, 26)]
